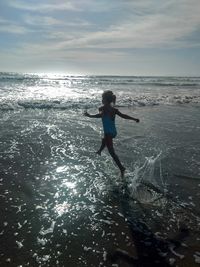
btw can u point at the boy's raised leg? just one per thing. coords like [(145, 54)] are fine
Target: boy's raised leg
[(109, 144)]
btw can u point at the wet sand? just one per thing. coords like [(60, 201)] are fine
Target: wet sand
[(124, 232)]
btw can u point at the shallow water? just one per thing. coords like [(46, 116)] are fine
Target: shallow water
[(61, 205)]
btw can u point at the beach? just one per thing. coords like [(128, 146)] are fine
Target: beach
[(63, 205)]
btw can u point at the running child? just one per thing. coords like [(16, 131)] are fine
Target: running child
[(107, 113)]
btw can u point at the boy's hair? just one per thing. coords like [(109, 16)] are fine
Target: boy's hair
[(109, 96)]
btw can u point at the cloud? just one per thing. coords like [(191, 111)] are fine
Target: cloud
[(149, 24), (58, 59), (42, 21), (11, 27), (42, 7), (37, 20), (112, 35), (96, 6), (16, 29), (167, 26)]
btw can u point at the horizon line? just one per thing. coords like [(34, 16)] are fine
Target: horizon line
[(99, 75)]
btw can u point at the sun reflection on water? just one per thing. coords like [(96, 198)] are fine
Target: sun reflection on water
[(62, 169), (69, 185), (62, 208)]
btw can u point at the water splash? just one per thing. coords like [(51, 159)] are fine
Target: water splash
[(146, 178)]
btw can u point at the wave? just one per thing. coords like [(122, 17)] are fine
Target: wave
[(86, 103), (55, 104), (146, 100), (46, 104), (6, 76), (41, 91), (109, 80)]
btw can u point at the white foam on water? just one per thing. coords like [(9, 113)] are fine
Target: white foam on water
[(29, 91), (49, 230), (147, 174)]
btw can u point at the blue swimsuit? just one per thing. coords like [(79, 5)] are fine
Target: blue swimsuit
[(109, 125)]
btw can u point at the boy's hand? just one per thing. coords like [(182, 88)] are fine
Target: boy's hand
[(137, 120)]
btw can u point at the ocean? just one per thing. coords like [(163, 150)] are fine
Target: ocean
[(63, 205)]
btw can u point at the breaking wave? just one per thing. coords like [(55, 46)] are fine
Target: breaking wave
[(84, 103), (61, 92)]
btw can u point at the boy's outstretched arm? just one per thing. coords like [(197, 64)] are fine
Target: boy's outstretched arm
[(99, 115), (127, 117)]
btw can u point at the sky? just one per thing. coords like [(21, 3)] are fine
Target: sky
[(107, 37)]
